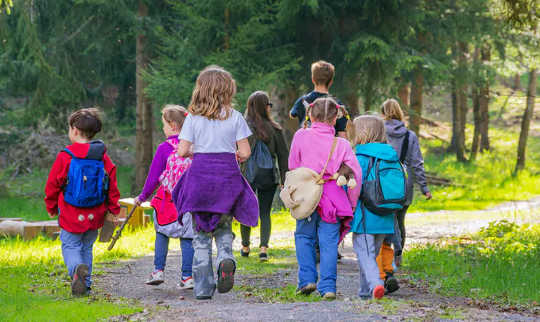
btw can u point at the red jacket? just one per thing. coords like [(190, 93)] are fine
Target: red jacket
[(74, 219)]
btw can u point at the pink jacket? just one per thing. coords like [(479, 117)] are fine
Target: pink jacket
[(310, 148)]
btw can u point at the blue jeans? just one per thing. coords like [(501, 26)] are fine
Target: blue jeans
[(162, 249), (307, 232), (77, 249)]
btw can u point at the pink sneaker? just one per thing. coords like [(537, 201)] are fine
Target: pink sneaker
[(378, 292), (186, 283)]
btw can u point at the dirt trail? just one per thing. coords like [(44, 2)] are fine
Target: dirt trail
[(167, 303)]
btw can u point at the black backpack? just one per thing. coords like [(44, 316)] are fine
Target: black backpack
[(259, 170)]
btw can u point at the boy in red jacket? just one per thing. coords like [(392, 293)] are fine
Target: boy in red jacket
[(81, 189)]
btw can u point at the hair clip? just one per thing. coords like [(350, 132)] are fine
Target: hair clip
[(311, 104), (186, 114)]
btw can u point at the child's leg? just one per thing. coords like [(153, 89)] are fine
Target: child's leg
[(328, 243), (265, 207), (186, 244), (225, 259), (161, 249), (88, 240), (385, 259), (401, 223), (367, 248), (245, 232), (203, 274), (304, 240), (71, 250)]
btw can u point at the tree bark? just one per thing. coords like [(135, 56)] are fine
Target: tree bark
[(283, 99), (143, 149), (404, 92), (475, 93), (461, 103), (517, 82), (453, 96), (526, 122), (484, 104), (415, 112)]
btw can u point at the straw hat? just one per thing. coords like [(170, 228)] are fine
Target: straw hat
[(301, 192)]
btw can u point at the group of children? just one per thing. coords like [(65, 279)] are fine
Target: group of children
[(200, 188)]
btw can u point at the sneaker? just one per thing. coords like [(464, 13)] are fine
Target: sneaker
[(244, 253), (156, 278), (390, 283), (203, 297), (378, 292), (263, 257), (306, 290), (78, 284), (329, 296), (186, 283), (225, 280)]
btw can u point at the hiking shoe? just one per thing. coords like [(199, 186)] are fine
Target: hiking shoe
[(156, 278), (244, 253), (329, 296), (78, 284), (390, 283), (203, 297), (306, 290), (263, 257), (225, 280), (378, 292), (186, 283)]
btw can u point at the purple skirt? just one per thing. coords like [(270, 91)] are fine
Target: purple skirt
[(214, 186)]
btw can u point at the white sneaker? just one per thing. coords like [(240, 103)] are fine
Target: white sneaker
[(186, 283), (156, 278)]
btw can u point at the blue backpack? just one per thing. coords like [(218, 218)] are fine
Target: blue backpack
[(87, 182), (384, 189)]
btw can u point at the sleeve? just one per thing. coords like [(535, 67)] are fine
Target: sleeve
[(351, 161), (54, 184), (114, 194), (282, 152), (187, 133), (159, 163), (341, 124), (298, 109), (294, 155), (242, 128), (416, 162)]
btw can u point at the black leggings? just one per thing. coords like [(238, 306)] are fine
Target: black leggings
[(401, 223), (265, 198)]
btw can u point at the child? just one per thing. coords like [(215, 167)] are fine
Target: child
[(330, 222), (322, 76), (213, 190), (165, 171), (370, 229), (81, 189)]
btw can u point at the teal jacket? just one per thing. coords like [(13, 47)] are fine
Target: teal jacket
[(374, 224)]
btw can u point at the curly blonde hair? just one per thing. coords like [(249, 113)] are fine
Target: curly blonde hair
[(369, 129), (213, 94)]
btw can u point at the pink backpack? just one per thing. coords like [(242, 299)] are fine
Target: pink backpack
[(176, 166), (162, 201)]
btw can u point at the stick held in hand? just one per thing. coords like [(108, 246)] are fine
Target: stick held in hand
[(119, 232)]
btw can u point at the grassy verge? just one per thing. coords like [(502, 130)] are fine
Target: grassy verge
[(35, 285), (499, 264), (482, 183)]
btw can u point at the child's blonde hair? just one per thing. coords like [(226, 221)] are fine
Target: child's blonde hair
[(322, 73), (175, 115), (391, 110), (369, 129), (213, 93)]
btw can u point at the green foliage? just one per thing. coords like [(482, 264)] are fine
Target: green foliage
[(499, 264)]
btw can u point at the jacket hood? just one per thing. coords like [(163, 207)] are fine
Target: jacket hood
[(395, 128), (93, 150), (379, 150)]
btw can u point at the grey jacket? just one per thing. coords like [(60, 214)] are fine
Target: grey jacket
[(414, 162)]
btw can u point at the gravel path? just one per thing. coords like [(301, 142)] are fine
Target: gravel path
[(168, 303)]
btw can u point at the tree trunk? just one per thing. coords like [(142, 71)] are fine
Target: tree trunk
[(517, 82), (351, 102), (475, 93), (404, 92), (484, 104), (415, 112), (283, 99), (526, 122), (453, 96), (143, 149), (461, 103)]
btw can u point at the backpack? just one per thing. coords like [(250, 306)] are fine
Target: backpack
[(259, 170), (176, 166), (87, 182), (384, 189)]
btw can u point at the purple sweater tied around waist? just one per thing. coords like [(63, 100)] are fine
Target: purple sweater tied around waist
[(214, 186)]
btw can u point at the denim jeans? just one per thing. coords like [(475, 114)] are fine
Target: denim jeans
[(161, 250), (77, 249), (367, 248), (307, 231), (203, 273)]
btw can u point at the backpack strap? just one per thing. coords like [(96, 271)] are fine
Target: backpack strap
[(320, 179), (404, 148), (69, 152)]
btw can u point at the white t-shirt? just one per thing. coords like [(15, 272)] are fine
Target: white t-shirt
[(214, 136)]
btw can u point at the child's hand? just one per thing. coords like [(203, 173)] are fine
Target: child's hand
[(137, 202), (428, 195), (51, 215)]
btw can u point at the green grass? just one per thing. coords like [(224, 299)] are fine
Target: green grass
[(285, 294), (35, 285), (484, 182), (499, 264)]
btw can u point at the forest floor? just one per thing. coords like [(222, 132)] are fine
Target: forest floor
[(269, 295)]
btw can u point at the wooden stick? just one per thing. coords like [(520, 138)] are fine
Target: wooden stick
[(119, 232)]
